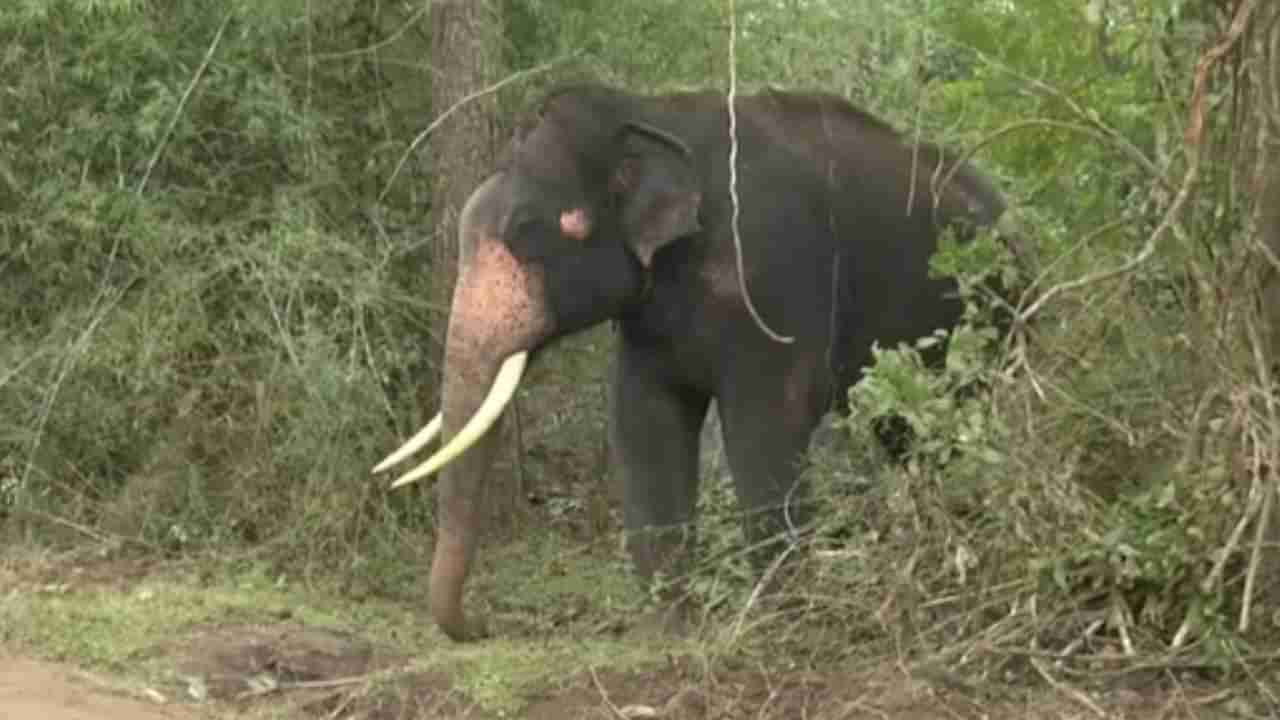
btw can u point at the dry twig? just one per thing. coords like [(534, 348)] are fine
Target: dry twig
[(1066, 689), (1271, 484), (182, 104), (1192, 137), (308, 685), (439, 120), (604, 696)]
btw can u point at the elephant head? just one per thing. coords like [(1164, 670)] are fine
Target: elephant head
[(558, 239)]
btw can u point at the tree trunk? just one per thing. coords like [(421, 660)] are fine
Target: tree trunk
[(1262, 143), (1267, 93), (466, 57)]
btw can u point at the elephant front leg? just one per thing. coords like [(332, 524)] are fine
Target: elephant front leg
[(654, 434)]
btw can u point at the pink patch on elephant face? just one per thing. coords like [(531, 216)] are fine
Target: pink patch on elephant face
[(575, 224), (497, 307)]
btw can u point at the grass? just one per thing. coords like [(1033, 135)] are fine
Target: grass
[(133, 628), (498, 674)]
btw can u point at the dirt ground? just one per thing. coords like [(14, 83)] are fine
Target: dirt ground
[(31, 690), (296, 672), (277, 666), (47, 691)]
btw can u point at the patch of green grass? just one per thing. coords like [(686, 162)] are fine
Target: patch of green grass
[(549, 599), (500, 674), (547, 576), (103, 627), (109, 627)]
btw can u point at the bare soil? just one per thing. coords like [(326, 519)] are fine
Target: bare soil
[(31, 690), (282, 668), (309, 673)]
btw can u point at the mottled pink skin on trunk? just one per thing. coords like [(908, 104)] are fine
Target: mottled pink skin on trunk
[(495, 313)]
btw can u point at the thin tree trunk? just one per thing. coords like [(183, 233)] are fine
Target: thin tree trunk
[(466, 56), (1267, 94), (1263, 107)]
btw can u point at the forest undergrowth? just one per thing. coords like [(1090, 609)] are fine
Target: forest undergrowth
[(213, 310)]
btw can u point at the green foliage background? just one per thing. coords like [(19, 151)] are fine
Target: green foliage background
[(212, 318)]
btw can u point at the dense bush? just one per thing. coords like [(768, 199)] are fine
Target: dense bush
[(208, 317)]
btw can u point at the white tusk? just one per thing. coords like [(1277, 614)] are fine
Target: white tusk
[(504, 387), (416, 443)]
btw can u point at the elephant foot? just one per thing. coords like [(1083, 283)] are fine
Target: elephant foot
[(472, 630), (477, 629)]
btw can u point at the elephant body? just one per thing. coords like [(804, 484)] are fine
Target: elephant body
[(618, 207)]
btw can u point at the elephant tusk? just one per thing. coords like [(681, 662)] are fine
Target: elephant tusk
[(504, 387), (415, 443)]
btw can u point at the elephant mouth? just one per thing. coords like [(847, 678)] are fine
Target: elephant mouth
[(499, 396)]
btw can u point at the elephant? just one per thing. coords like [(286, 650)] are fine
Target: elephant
[(646, 211)]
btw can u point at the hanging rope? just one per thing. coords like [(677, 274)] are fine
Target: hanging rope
[(733, 179)]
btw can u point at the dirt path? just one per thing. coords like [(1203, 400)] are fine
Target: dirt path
[(31, 690)]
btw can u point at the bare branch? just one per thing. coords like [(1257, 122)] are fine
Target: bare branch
[(604, 696), (1195, 126), (1098, 133), (513, 77), (395, 35), (1191, 137), (182, 104)]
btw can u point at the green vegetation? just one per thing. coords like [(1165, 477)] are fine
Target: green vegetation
[(152, 631)]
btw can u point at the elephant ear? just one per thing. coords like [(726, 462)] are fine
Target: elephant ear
[(656, 189)]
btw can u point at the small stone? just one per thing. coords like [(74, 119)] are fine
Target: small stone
[(155, 696)]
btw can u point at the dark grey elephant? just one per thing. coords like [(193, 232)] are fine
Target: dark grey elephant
[(618, 206)]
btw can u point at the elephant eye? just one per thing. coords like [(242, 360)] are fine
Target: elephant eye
[(533, 238), (575, 224)]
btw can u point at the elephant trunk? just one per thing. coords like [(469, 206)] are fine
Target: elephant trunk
[(496, 314), (492, 316), (460, 500)]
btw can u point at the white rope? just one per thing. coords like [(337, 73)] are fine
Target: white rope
[(733, 178)]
